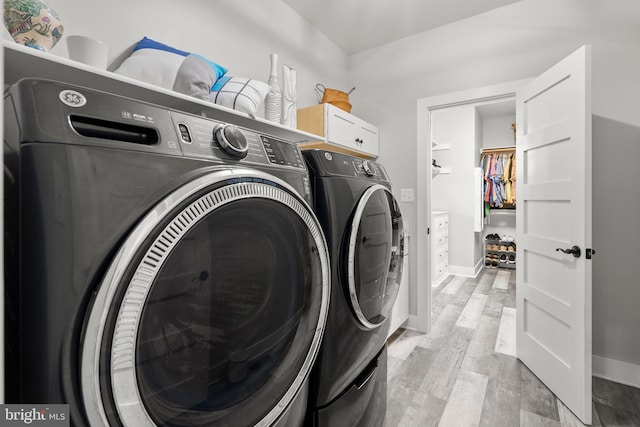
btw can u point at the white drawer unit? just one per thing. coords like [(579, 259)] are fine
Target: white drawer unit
[(439, 246), (343, 132)]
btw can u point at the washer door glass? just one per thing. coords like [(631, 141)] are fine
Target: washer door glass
[(220, 317), (375, 256)]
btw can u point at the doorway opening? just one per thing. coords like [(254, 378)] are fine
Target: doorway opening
[(451, 137)]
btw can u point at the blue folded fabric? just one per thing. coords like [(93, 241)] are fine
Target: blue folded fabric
[(165, 66)]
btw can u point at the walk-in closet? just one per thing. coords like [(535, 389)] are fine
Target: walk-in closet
[(473, 197)]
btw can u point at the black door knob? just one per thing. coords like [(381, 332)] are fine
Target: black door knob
[(574, 250)]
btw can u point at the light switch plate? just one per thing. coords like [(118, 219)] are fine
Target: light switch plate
[(406, 195)]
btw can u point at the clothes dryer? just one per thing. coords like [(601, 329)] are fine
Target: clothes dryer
[(363, 228), (161, 268)]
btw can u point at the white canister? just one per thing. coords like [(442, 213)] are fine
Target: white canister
[(88, 51)]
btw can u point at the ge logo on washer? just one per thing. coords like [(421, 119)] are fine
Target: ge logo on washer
[(72, 98)]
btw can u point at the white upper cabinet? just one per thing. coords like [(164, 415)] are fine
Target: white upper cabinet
[(343, 132)]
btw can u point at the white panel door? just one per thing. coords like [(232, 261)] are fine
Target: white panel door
[(553, 295)]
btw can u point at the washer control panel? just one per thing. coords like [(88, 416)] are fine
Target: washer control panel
[(231, 139), (208, 138), (327, 163), (370, 169)]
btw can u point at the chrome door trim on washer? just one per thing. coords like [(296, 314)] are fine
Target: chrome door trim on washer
[(244, 184), (355, 227)]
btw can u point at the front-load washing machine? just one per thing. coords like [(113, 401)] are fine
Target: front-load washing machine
[(363, 228), (162, 269)]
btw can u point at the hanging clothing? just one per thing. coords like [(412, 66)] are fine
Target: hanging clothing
[(499, 178)]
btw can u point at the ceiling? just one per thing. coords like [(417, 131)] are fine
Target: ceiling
[(357, 25)]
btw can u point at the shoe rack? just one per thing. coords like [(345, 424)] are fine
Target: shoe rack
[(500, 251)]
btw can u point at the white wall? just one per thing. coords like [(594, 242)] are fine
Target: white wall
[(454, 192), (239, 35), (497, 131), (511, 43), (616, 239)]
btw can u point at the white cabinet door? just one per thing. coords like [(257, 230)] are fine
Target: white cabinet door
[(351, 132), (553, 295), (367, 137), (340, 127)]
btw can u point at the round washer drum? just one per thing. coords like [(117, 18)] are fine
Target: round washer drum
[(373, 256), (208, 347), (159, 280)]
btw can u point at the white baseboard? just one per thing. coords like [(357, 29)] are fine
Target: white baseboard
[(439, 281), (465, 271), (479, 267), (617, 371)]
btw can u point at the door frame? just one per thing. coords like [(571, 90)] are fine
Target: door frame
[(425, 106)]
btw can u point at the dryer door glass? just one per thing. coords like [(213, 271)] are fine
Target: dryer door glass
[(219, 320), (375, 256)]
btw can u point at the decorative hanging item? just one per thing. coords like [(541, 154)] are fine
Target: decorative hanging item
[(273, 100), (32, 23), (289, 95)]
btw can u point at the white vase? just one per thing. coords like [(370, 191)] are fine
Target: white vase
[(273, 101), (289, 95)]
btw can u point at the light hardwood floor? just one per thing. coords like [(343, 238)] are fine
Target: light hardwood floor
[(464, 373)]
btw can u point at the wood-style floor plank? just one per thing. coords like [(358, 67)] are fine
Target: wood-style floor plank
[(465, 401), (616, 404), (481, 348), (485, 282), (453, 286), (527, 419), (568, 419), (404, 345), (502, 400), (470, 316), (423, 411), (536, 397), (502, 280), (438, 378), (441, 327), (506, 340), (443, 373)]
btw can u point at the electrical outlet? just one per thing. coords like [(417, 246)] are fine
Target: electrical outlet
[(406, 195)]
